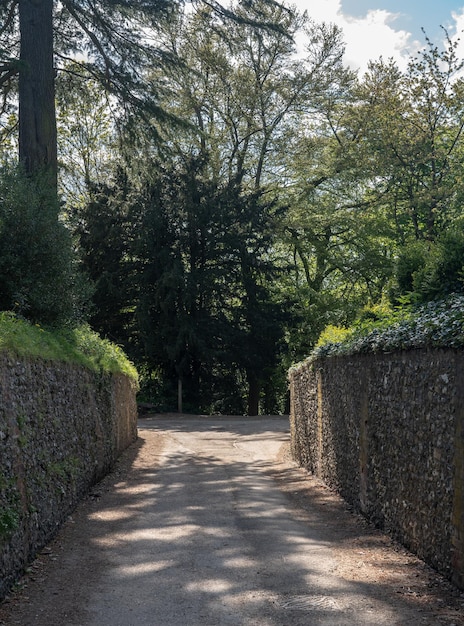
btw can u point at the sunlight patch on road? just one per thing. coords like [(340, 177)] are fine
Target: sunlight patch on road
[(210, 585), (310, 602), (177, 531), (144, 568), (111, 515)]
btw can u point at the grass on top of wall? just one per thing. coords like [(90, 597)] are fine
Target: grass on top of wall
[(78, 345)]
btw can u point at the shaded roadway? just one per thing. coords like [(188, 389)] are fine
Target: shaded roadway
[(193, 529)]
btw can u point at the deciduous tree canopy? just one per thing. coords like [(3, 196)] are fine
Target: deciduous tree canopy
[(228, 199)]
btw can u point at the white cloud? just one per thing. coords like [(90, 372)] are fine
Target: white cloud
[(372, 37), (367, 38), (458, 28)]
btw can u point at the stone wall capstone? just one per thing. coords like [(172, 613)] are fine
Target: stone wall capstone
[(62, 427), (387, 432)]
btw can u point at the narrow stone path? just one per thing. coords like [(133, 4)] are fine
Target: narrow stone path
[(206, 523)]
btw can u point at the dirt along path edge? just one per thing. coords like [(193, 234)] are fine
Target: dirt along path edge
[(364, 553)]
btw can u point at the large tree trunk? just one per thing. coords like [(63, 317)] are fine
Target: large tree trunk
[(37, 119), (253, 394)]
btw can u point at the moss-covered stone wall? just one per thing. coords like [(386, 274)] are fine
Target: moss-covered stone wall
[(387, 432), (61, 429)]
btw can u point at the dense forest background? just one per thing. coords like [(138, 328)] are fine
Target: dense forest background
[(223, 188)]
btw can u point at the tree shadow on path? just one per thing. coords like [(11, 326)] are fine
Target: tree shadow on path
[(176, 536)]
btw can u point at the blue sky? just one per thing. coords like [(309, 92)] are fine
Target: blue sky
[(388, 28), (411, 14)]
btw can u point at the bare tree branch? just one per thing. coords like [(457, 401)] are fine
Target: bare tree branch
[(9, 17)]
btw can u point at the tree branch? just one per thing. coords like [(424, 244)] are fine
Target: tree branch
[(10, 17), (7, 72)]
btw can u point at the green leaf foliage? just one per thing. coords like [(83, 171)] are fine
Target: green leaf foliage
[(430, 270), (39, 277), (437, 323)]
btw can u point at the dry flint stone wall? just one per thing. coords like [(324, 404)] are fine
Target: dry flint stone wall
[(61, 429), (387, 432)]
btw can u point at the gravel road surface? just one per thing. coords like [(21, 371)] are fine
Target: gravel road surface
[(206, 522)]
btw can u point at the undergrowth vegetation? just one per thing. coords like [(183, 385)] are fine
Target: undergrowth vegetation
[(436, 323), (78, 345)]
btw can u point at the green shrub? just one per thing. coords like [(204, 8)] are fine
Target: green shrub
[(428, 271), (410, 260), (333, 335), (442, 273), (438, 323), (39, 278)]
